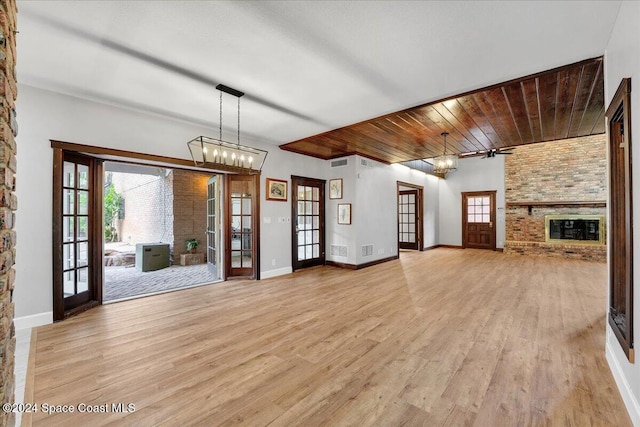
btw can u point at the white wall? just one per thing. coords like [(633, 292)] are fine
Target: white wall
[(375, 213), (473, 174), (622, 59)]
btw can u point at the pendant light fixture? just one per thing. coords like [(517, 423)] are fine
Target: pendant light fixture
[(217, 152), (446, 162)]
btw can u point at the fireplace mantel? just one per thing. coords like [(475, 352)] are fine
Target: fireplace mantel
[(530, 204)]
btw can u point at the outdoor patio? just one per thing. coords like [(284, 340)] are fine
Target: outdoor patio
[(125, 282)]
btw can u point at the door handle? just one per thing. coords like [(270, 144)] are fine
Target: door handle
[(491, 224)]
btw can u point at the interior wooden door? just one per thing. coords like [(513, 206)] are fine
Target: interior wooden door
[(76, 233), (478, 220), (308, 222), (408, 219)]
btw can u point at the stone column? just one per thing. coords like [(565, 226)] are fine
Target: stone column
[(8, 202)]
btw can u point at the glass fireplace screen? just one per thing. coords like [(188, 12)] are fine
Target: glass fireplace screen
[(584, 229)]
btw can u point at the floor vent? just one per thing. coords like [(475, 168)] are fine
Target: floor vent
[(337, 250), (341, 162), (367, 250)]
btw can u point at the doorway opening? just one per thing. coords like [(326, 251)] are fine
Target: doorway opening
[(308, 211), (161, 227)]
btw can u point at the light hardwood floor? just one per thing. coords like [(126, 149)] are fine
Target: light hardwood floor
[(443, 337)]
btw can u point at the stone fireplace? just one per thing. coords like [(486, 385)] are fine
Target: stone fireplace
[(555, 194)]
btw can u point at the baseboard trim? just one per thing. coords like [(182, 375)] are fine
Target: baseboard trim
[(629, 399), (448, 246), (364, 265), (275, 273), (33, 321)]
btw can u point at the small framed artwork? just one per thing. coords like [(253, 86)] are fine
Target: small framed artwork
[(344, 213), (276, 190), (335, 188)]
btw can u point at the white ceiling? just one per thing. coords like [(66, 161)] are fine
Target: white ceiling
[(306, 67)]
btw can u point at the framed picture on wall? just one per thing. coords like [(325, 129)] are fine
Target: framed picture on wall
[(335, 188), (344, 213), (276, 190)]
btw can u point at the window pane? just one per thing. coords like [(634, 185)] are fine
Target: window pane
[(316, 194), (301, 192), (478, 218), (316, 236), (307, 207), (470, 218), (301, 208), (246, 206), (246, 259), (308, 237), (69, 173), (83, 279), (316, 251), (412, 198), (235, 241), (404, 228), (69, 283), (301, 237), (246, 241), (485, 218), (485, 201), (236, 259), (412, 238), (316, 222), (246, 223), (471, 209), (83, 176), (412, 208), (68, 256), (83, 202), (485, 209), (83, 228), (68, 202), (307, 222), (235, 207), (308, 252), (67, 229), (301, 253), (308, 193), (82, 252), (412, 228), (316, 208)]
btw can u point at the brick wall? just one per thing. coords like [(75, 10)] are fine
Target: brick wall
[(8, 202), (189, 210), (565, 170), (148, 207)]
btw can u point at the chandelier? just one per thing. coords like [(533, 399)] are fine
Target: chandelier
[(446, 162), (208, 151)]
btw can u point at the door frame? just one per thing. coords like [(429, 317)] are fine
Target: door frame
[(95, 231), (294, 239), (492, 217), (419, 213)]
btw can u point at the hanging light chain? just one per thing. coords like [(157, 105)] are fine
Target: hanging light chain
[(238, 121), (221, 115)]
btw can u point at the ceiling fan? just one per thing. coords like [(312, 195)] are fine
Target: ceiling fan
[(492, 152)]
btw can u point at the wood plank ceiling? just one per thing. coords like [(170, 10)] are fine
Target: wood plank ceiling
[(562, 103)]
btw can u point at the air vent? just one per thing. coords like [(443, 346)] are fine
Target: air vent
[(367, 250), (337, 250), (341, 162), (365, 163)]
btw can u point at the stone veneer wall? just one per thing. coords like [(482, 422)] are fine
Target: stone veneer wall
[(189, 210), (565, 170), (8, 202)]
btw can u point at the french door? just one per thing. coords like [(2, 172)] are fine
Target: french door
[(307, 232), (242, 226), (213, 242), (408, 219), (478, 220), (77, 225)]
